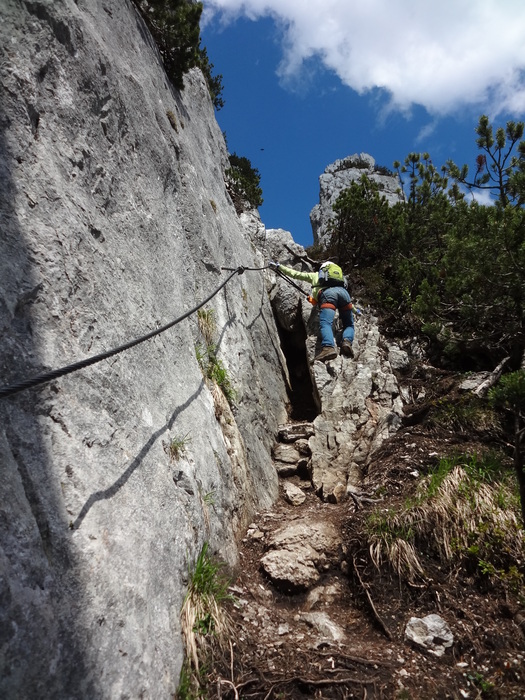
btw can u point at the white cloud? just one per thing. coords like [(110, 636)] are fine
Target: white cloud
[(426, 131), (483, 197), (442, 55)]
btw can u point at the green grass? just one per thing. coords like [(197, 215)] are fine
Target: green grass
[(218, 373), (177, 447), (209, 498), (465, 513), (207, 578), (485, 469), (204, 620)]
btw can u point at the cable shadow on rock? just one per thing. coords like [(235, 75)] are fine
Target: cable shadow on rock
[(112, 490), (109, 492)]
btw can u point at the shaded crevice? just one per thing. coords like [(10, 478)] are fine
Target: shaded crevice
[(300, 392)]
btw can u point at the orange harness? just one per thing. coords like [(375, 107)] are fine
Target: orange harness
[(327, 305)]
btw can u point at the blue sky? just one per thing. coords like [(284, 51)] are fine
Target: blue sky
[(307, 83)]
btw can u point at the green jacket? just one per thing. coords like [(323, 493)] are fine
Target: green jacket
[(311, 277)]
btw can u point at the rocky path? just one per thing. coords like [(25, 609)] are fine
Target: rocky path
[(300, 629), (306, 624)]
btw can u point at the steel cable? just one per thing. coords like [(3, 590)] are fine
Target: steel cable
[(55, 374)]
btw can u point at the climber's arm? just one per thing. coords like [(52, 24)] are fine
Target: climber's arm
[(310, 277)]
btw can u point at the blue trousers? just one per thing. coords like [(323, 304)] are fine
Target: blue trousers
[(329, 300)]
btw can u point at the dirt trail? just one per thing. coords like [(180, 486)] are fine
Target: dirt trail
[(285, 653), (344, 637)]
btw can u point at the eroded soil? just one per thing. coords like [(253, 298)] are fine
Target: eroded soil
[(277, 652)]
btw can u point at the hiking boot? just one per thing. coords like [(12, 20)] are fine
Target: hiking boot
[(347, 349), (328, 352)]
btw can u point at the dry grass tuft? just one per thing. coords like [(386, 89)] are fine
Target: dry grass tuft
[(205, 623), (207, 325), (457, 514)]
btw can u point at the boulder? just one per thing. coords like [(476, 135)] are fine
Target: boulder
[(432, 633), (296, 553), (287, 453), (399, 359), (293, 494), (327, 629)]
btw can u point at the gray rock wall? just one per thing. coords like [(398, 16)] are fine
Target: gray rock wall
[(337, 177), (114, 221)]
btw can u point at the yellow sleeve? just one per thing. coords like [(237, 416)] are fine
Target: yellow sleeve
[(311, 277)]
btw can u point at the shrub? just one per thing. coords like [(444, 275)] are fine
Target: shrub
[(359, 163), (466, 414), (243, 181), (383, 170), (509, 395)]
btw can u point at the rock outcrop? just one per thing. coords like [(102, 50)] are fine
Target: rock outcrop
[(297, 553), (358, 400), (115, 220), (338, 176)]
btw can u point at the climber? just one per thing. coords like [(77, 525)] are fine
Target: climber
[(329, 291)]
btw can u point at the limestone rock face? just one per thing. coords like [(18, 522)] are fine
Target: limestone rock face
[(338, 176), (358, 400), (115, 220)]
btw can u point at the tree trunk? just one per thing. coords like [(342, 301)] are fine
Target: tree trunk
[(492, 379)]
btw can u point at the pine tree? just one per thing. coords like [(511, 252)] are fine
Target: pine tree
[(498, 168), (509, 394), (361, 214), (174, 25)]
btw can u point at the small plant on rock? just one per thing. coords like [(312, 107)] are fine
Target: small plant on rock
[(206, 352), (172, 120), (176, 447), (219, 374), (207, 324)]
